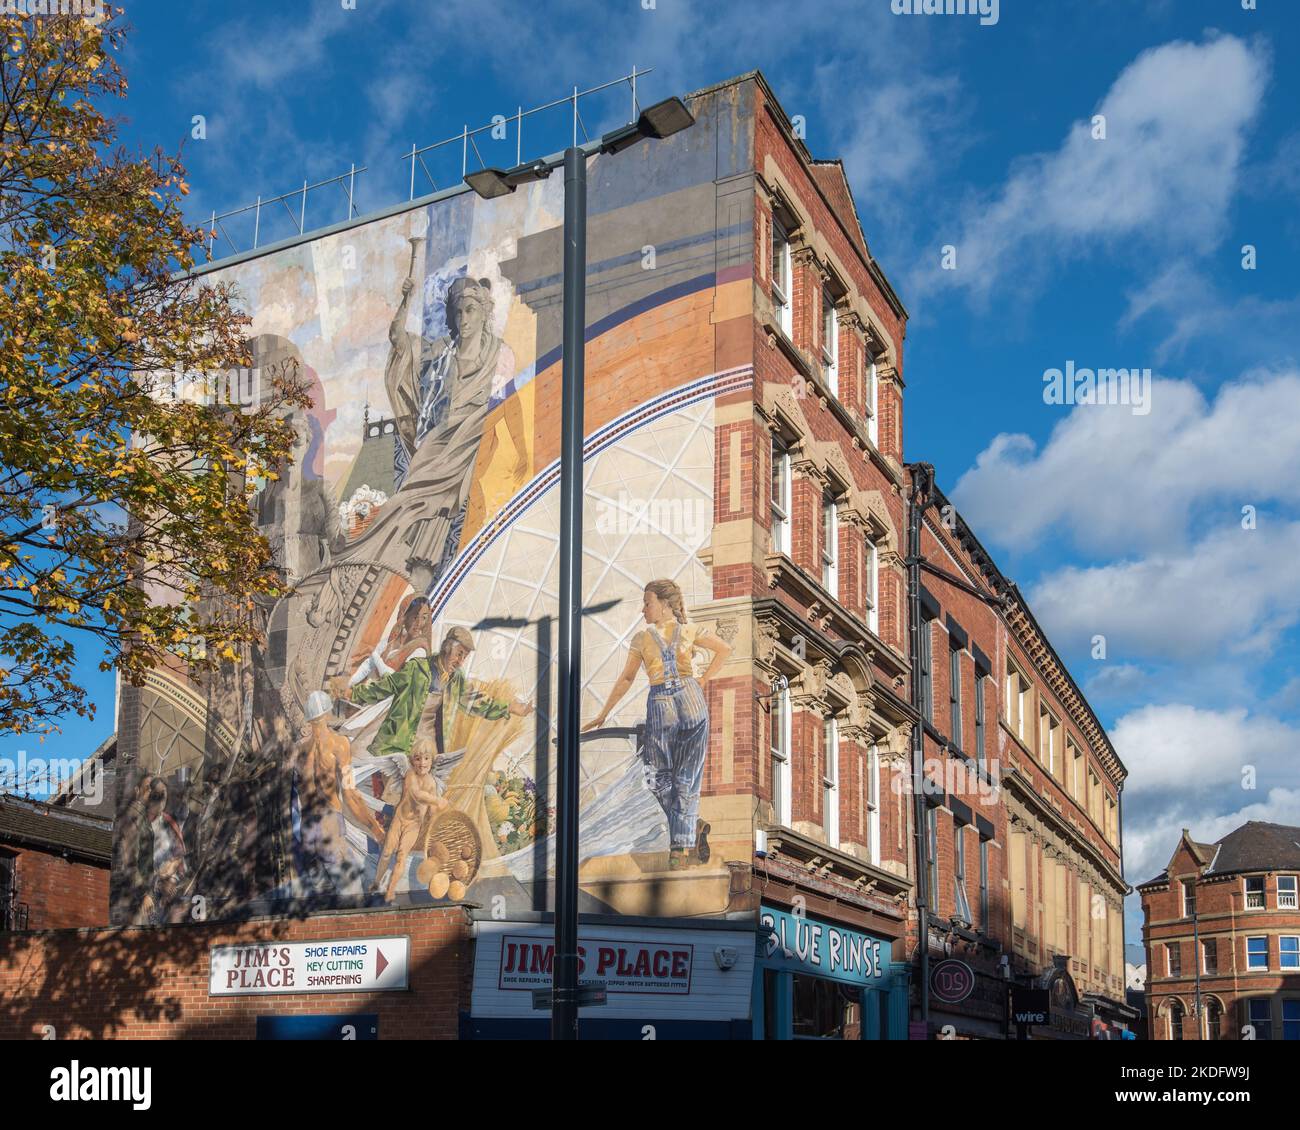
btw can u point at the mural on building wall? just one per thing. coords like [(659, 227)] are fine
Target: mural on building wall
[(393, 738)]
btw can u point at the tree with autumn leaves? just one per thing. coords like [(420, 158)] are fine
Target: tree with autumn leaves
[(127, 454)]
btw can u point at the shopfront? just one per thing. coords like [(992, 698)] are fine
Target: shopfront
[(676, 979), (818, 980)]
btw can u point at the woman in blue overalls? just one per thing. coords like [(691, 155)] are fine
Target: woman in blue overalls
[(677, 714)]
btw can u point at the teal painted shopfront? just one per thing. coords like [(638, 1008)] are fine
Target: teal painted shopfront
[(816, 980)]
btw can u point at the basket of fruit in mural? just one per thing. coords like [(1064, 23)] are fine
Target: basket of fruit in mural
[(452, 854)]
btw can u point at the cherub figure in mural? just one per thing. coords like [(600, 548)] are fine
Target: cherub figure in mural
[(677, 714), (427, 693), (420, 801), (326, 789), (441, 392)]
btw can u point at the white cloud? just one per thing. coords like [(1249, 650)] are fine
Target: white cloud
[(1186, 769), (1176, 125), (1175, 605), (1112, 482)]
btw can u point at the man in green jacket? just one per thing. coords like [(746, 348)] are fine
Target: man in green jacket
[(426, 695)]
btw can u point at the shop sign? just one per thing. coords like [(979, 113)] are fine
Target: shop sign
[(347, 965), (951, 981), (620, 966), (807, 945), (1030, 1006)]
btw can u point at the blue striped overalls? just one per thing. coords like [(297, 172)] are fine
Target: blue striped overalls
[(676, 743)]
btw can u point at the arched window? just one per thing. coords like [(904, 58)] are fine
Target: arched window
[(1213, 1019), (1176, 1013)]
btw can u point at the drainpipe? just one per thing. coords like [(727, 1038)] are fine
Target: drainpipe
[(919, 496)]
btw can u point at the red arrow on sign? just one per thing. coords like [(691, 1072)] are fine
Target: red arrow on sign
[(381, 962)]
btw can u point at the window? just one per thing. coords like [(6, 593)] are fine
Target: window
[(1213, 1019), (1286, 892), (1094, 798), (1259, 1017), (1174, 957), (831, 784), (1289, 951), (1255, 892), (782, 291), (781, 757), (1112, 819), (961, 903), (1257, 953), (932, 858), (981, 686), (1210, 955), (8, 891), (1189, 898), (1075, 759), (927, 673), (1049, 741), (830, 344), (873, 804), (830, 545), (1018, 692), (1291, 1020), (984, 885), (871, 583), (954, 695), (1176, 1014), (869, 397), (781, 503)]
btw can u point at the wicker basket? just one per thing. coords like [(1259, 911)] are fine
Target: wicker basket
[(455, 833)]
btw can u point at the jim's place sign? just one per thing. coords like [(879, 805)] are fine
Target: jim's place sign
[(349, 965), (623, 967), (804, 945)]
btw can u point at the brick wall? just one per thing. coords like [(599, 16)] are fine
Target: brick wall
[(58, 891), (152, 982)]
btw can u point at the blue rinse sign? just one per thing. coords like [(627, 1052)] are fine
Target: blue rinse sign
[(805, 945)]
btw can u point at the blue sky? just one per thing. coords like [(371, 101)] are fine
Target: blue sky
[(1124, 251)]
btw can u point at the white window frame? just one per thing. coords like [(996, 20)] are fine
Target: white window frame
[(1287, 899), (870, 400), (1183, 884), (1263, 894), (954, 697), (1172, 949), (830, 343), (1204, 957), (871, 597), (782, 507), (831, 783), (961, 900), (1049, 740), (780, 757), (1256, 938), (830, 544), (782, 267), (1282, 953), (873, 804)]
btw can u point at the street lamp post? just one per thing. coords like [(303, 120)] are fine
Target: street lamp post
[(658, 121)]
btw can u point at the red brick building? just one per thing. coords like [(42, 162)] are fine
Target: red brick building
[(54, 866), (823, 563), (152, 982), (1018, 809), (1221, 926)]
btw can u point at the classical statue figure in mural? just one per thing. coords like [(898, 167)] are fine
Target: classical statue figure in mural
[(441, 393), (297, 513), (677, 714)]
